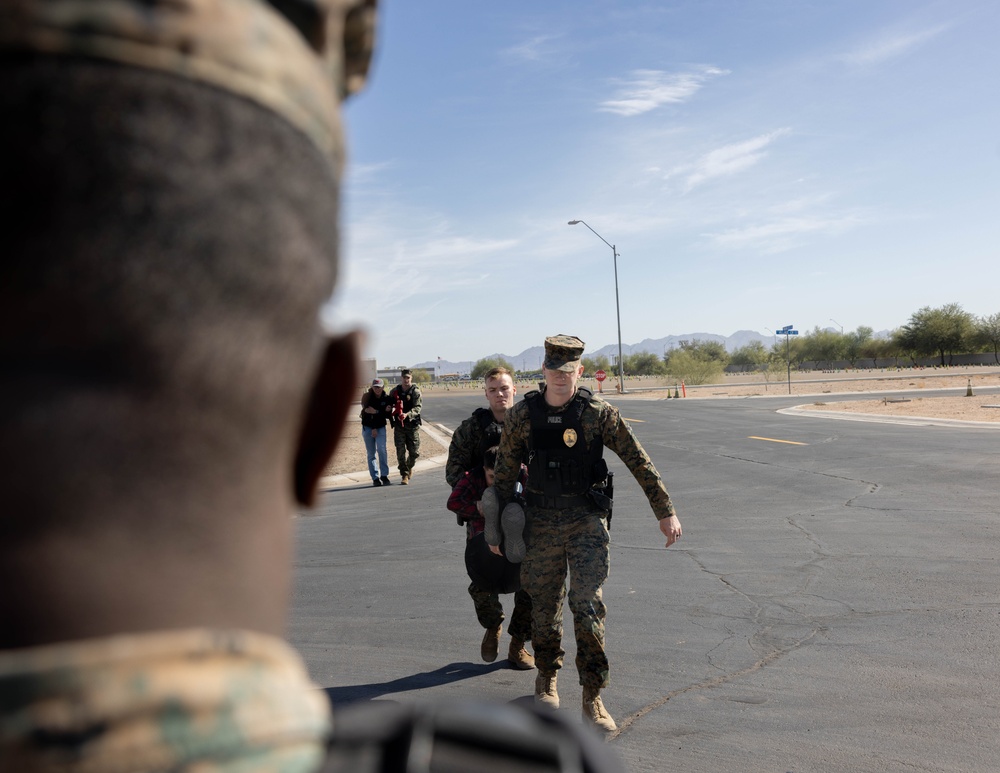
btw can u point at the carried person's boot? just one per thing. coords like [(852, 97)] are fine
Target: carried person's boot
[(545, 690), (491, 644), (519, 657), (491, 516), (594, 711), (512, 525)]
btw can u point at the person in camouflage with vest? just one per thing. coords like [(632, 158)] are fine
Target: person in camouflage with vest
[(474, 436), (406, 422), (561, 432)]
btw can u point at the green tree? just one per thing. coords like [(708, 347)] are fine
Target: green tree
[(687, 367), (945, 331), (485, 365), (823, 347), (988, 333), (852, 343), (792, 348), (644, 364), (875, 349), (751, 356), (706, 350), (598, 362)]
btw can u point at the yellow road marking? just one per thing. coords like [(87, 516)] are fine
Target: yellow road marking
[(775, 440)]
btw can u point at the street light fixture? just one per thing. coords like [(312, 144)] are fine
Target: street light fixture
[(838, 325), (618, 314)]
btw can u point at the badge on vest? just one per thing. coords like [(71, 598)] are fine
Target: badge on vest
[(569, 437)]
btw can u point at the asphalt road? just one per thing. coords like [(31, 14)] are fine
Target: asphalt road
[(834, 604)]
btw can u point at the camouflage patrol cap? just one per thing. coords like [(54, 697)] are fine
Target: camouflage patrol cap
[(563, 352), (299, 59)]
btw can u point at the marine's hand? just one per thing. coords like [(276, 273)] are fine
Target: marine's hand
[(496, 550), (671, 528)]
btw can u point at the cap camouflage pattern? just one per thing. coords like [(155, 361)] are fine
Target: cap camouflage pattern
[(298, 68), (563, 352)]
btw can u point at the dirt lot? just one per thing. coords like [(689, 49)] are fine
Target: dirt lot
[(819, 391)]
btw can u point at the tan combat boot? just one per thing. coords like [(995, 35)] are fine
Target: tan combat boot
[(491, 644), (405, 478), (545, 690), (519, 657), (594, 711)]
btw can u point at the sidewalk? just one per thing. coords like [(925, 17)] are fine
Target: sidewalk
[(362, 478)]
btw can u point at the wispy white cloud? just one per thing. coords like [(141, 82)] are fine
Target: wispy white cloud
[(398, 262), (649, 89), (890, 45), (782, 234), (729, 159), (533, 49)]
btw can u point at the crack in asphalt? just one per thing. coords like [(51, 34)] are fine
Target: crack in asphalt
[(820, 556), (710, 683)]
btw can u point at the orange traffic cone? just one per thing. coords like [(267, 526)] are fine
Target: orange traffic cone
[(684, 392)]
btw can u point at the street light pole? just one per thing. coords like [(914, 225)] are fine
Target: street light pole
[(838, 325), (618, 314)]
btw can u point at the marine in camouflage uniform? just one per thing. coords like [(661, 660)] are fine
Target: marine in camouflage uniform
[(77, 691), (406, 426), (469, 443), (570, 532)]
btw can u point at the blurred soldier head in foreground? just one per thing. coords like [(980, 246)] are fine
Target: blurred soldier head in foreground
[(168, 394)]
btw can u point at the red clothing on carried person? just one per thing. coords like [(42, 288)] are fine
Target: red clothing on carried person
[(464, 498)]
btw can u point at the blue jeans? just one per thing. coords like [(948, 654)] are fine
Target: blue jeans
[(371, 443)]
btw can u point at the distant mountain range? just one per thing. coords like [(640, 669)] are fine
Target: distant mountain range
[(531, 359)]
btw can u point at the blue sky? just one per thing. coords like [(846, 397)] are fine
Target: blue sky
[(756, 164)]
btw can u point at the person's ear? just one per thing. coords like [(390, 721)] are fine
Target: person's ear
[(334, 388)]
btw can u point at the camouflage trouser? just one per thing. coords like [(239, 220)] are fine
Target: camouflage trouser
[(406, 439), (578, 540), (489, 611)]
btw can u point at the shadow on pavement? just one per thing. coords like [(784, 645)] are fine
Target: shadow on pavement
[(453, 672)]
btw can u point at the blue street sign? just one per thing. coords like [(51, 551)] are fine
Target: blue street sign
[(790, 332)]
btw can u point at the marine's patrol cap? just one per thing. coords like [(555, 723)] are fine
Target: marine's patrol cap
[(405, 372), (298, 58), (563, 352)]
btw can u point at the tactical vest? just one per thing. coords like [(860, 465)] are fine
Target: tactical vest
[(490, 430), (560, 465), (408, 397)]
